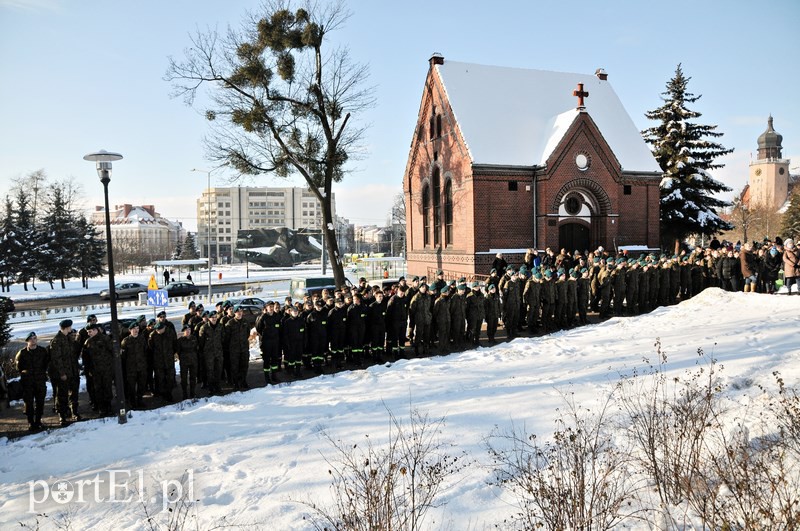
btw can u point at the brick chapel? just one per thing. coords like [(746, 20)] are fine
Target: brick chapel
[(507, 159)]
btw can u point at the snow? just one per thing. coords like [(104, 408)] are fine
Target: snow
[(313, 241), (256, 456), (507, 115)]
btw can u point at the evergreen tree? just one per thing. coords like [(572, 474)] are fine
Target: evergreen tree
[(5, 329), (9, 249), (190, 247), (177, 254), (686, 153), (25, 239), (791, 218), (90, 251), (58, 238)]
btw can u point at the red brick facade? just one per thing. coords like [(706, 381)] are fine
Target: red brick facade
[(493, 207)]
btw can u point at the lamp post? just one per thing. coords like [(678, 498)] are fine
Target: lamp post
[(208, 226), (103, 160)]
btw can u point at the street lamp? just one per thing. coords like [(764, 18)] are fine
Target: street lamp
[(208, 222), (103, 160)]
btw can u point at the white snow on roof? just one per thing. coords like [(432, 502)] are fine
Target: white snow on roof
[(513, 116), (313, 241)]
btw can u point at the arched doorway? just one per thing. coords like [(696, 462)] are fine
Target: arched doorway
[(572, 236)]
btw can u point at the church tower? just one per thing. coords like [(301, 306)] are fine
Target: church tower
[(769, 173)]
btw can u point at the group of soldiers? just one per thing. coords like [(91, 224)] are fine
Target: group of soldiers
[(365, 324)]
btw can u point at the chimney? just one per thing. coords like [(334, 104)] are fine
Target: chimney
[(601, 74), (436, 59)]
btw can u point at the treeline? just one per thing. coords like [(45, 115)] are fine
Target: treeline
[(44, 236)]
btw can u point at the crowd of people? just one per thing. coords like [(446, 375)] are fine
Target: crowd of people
[(365, 324)]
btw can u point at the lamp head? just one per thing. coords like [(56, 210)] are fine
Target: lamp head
[(103, 160)]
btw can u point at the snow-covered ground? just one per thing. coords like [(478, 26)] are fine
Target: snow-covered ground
[(253, 457)]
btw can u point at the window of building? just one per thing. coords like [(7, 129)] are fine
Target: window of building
[(512, 186), (448, 212), (426, 215), (626, 189), (437, 207), (438, 126)]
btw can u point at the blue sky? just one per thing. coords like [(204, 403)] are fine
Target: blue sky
[(78, 76)]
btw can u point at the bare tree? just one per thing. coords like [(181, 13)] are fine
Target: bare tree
[(281, 100)]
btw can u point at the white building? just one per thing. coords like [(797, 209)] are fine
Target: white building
[(140, 229), (229, 210)]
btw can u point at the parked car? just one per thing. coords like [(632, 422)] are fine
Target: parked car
[(251, 312), (125, 289), (6, 304), (250, 301), (181, 289), (299, 287), (123, 324)]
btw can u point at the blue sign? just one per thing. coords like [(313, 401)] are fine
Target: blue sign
[(157, 297)]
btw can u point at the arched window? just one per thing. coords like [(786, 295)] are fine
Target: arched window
[(438, 126), (433, 122), (437, 207), (448, 212), (426, 215)]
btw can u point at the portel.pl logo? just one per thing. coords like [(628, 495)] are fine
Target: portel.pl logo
[(111, 486)]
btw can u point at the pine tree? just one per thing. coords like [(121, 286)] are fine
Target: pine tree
[(177, 254), (190, 247), (791, 218), (25, 239), (685, 153), (9, 249), (90, 251), (5, 329), (58, 238)]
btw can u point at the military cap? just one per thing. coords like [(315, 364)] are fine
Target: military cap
[(186, 327), (93, 326), (440, 272), (401, 279), (474, 284), (510, 269), (523, 268), (362, 279), (30, 335), (596, 260), (133, 325), (212, 313), (91, 318), (573, 273), (548, 273), (445, 290), (142, 319), (415, 279), (206, 313), (560, 271), (238, 308), (65, 323), (462, 286), (451, 283), (191, 304), (423, 278), (609, 260), (584, 270), (162, 313), (493, 271), (423, 285), (462, 280), (159, 325), (199, 306), (319, 302), (537, 275), (151, 322), (338, 299)]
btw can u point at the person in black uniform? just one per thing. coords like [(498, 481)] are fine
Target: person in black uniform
[(32, 362)]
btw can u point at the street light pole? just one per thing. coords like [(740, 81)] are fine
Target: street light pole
[(103, 160), (208, 227)]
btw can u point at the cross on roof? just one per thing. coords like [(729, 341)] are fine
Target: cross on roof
[(580, 93)]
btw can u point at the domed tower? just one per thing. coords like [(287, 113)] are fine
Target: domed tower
[(769, 173)]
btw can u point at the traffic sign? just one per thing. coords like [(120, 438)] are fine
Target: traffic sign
[(152, 284), (157, 297)]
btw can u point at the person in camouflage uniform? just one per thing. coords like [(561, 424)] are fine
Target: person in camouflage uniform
[(64, 371), (441, 316), (632, 276), (604, 287), (532, 297), (211, 346), (561, 299), (133, 350), (572, 297), (548, 298), (475, 312), (98, 348), (618, 286), (583, 294), (187, 355), (511, 295), (419, 311), (491, 307), (458, 317)]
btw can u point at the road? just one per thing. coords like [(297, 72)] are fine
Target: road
[(269, 288)]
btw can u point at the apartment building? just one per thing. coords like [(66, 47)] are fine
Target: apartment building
[(226, 211)]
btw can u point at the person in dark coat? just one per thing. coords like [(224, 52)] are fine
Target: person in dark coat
[(133, 350), (211, 345), (420, 312), (64, 370), (499, 265), (317, 335), (187, 355), (86, 359), (237, 333), (163, 345), (377, 326), (356, 328), (441, 316), (268, 327), (458, 318), (396, 320), (98, 347), (772, 265), (337, 332), (32, 362), (293, 338)]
